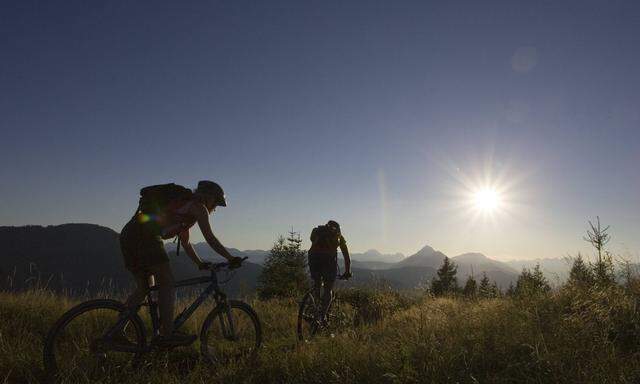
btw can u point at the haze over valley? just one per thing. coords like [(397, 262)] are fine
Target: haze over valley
[(87, 257)]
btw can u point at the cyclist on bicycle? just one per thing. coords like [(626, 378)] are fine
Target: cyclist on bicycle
[(323, 261), (166, 211)]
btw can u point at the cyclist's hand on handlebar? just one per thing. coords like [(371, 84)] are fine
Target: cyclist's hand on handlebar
[(235, 262), (204, 265)]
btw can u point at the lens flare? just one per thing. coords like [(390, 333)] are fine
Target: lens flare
[(486, 200)]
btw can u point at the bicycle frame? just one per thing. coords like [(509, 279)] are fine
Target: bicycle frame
[(213, 288)]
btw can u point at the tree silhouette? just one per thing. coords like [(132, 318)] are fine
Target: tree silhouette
[(470, 289), (446, 281), (284, 273), (581, 274), (532, 282), (487, 289), (603, 268)]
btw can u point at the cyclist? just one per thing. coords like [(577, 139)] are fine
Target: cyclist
[(143, 248), (323, 262)]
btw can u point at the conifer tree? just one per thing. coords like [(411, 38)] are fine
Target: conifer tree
[(581, 274), (470, 289), (532, 282), (603, 269), (446, 282), (487, 290), (284, 273), (495, 291)]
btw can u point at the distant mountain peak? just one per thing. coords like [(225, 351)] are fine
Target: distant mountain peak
[(425, 250), (372, 252), (425, 257)]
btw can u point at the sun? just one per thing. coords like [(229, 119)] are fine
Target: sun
[(492, 195), (486, 200)]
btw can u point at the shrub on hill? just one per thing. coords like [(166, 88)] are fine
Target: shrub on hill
[(532, 283), (446, 282), (284, 273)]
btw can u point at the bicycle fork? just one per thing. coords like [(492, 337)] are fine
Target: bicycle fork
[(155, 316), (229, 328)]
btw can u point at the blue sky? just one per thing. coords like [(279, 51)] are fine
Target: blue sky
[(383, 115)]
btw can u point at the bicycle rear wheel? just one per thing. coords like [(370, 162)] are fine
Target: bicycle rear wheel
[(75, 351), (230, 332)]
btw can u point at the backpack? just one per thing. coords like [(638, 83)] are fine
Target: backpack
[(154, 199), (327, 237)]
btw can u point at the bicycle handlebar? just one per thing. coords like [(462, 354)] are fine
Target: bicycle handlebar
[(217, 266)]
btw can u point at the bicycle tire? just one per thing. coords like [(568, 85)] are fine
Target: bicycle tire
[(218, 347), (304, 318), (52, 356), (338, 319)]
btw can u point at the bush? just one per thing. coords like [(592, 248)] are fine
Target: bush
[(284, 273), (532, 283), (374, 305), (446, 282)]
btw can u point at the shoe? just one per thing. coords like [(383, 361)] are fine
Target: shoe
[(176, 338)]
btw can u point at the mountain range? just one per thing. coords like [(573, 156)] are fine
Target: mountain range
[(86, 257)]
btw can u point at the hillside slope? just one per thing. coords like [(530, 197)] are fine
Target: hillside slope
[(417, 340), (83, 257)]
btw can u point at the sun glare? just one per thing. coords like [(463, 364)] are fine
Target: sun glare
[(486, 200), (486, 195)]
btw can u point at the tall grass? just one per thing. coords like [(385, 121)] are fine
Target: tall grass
[(568, 336)]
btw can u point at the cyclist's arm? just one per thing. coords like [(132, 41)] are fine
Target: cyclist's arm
[(188, 248), (202, 216), (345, 254)]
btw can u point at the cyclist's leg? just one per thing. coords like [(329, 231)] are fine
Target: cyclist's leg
[(153, 259), (166, 295), (316, 275), (329, 274), (130, 245), (142, 287), (317, 287), (326, 297)]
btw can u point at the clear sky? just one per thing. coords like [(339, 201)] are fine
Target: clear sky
[(384, 115)]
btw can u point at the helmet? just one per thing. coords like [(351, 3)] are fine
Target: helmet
[(210, 188), (333, 224)]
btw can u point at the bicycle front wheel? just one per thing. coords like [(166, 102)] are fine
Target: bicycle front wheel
[(230, 332), (75, 349), (307, 323)]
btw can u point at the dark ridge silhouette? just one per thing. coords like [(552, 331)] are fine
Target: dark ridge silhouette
[(70, 256), (83, 258), (86, 258)]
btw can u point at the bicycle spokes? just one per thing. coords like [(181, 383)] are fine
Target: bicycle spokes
[(311, 321), (227, 325), (233, 334), (81, 350)]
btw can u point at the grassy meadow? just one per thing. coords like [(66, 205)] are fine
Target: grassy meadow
[(570, 335)]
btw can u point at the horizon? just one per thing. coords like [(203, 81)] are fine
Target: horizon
[(617, 259), (492, 128)]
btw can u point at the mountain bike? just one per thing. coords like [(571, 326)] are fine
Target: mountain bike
[(340, 315), (99, 337)]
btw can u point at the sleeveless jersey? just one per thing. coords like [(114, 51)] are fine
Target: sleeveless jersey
[(177, 218)]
